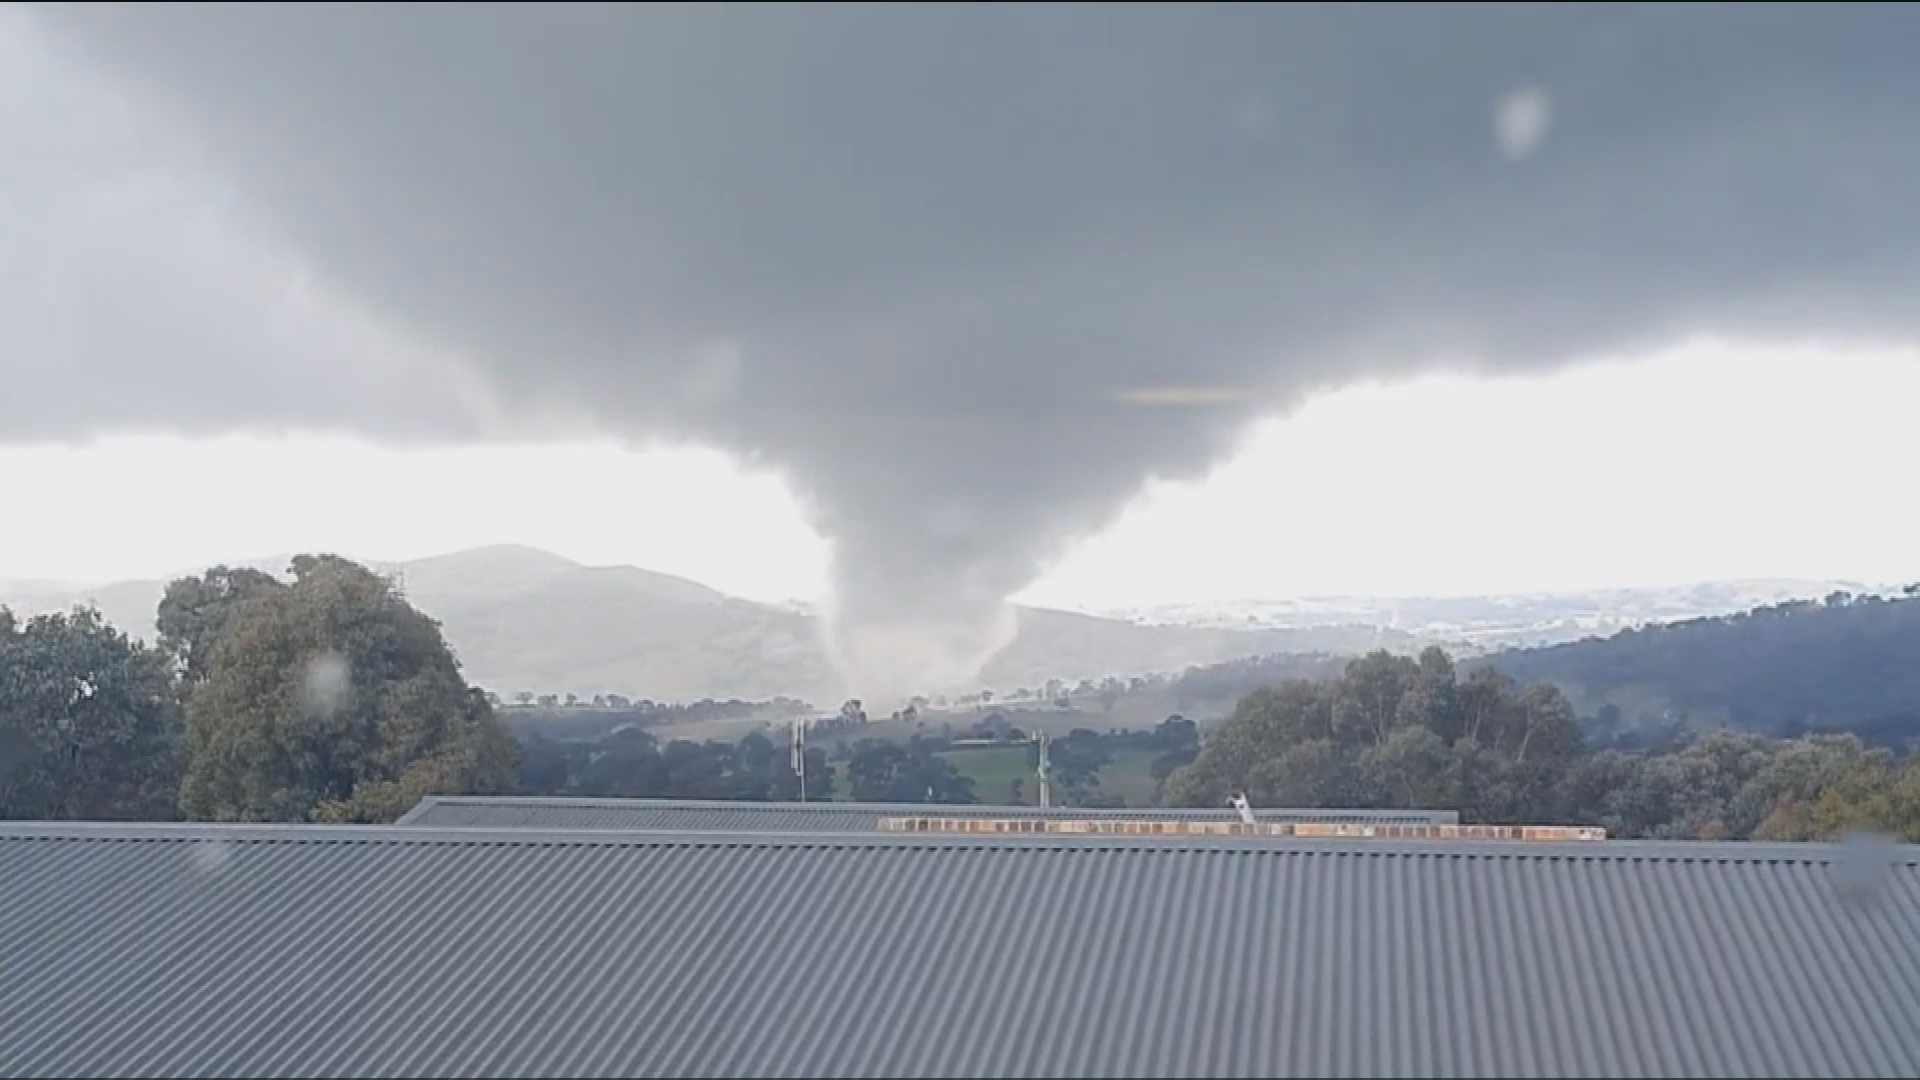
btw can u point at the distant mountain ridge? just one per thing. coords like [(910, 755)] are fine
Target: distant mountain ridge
[(524, 619)]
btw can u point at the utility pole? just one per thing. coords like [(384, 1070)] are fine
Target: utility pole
[(800, 753), (1045, 793)]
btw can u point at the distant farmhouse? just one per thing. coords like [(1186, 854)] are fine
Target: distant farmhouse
[(548, 949)]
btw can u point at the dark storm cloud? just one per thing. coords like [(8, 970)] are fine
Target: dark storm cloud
[(130, 299), (940, 262)]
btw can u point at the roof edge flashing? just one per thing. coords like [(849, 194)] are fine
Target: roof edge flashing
[(1297, 830)]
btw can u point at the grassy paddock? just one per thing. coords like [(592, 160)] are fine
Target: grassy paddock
[(994, 768)]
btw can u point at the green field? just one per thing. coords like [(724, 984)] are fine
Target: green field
[(993, 770)]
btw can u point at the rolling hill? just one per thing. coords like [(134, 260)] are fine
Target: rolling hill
[(1847, 663), (524, 619)]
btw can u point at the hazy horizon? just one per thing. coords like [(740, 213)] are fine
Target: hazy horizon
[(276, 563)]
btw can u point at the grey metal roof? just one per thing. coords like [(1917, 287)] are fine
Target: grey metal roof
[(701, 815), (394, 951)]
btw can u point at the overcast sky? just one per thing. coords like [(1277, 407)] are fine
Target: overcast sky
[(1492, 298)]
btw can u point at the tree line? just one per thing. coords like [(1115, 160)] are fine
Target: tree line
[(634, 763), (1394, 731)]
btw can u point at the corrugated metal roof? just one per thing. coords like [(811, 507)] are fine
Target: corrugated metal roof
[(384, 951), (703, 815)]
